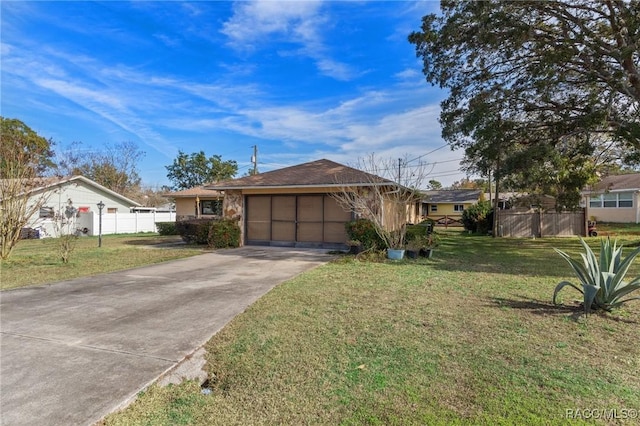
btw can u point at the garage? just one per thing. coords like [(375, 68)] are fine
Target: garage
[(301, 220)]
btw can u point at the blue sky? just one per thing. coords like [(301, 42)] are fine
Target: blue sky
[(301, 80)]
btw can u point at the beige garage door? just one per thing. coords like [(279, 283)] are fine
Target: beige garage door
[(295, 220)]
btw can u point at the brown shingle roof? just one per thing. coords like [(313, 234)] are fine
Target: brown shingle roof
[(198, 191), (619, 183), (315, 173)]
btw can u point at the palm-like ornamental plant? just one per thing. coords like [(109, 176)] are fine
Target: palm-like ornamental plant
[(602, 277)]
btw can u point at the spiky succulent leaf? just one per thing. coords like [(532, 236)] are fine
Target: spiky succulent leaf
[(590, 293), (602, 276), (560, 286), (626, 289), (623, 268), (580, 270)]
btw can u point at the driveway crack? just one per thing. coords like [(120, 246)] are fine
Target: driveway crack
[(96, 348)]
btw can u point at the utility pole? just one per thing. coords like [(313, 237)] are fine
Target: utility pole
[(254, 159), (399, 170)]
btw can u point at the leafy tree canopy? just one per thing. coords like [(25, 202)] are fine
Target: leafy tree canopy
[(22, 148), (434, 185), (24, 156), (531, 84), (191, 170)]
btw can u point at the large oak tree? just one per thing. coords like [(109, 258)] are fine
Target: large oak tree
[(533, 84)]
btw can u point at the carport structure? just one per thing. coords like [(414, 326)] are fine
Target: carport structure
[(293, 206)]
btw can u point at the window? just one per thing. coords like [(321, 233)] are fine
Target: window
[(615, 200), (211, 207), (112, 210), (458, 207), (625, 199), (610, 200), (46, 212), (434, 207)]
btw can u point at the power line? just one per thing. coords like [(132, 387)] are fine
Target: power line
[(430, 152)]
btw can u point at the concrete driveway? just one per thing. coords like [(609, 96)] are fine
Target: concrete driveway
[(74, 351)]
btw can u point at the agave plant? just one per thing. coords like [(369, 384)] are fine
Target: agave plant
[(602, 277)]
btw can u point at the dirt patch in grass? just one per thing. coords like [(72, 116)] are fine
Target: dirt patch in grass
[(470, 337)]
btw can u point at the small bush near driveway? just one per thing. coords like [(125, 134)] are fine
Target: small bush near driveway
[(166, 228)]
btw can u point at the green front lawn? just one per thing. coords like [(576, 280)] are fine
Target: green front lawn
[(469, 337), (36, 262)]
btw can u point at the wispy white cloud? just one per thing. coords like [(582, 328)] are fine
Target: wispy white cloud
[(299, 23), (252, 21)]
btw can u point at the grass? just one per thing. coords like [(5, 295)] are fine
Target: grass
[(36, 262), (469, 337)]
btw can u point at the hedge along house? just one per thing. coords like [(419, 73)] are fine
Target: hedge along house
[(197, 203), (296, 206), (615, 199)]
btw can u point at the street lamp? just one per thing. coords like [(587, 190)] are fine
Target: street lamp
[(100, 207)]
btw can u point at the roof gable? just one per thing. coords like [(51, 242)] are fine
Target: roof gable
[(44, 184), (197, 191), (315, 173)]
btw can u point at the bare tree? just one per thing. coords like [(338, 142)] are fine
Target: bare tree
[(386, 193), (23, 155), (115, 166), (64, 225)]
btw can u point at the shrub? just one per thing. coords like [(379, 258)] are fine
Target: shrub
[(224, 233), (167, 228), (418, 231), (602, 278), (364, 231), (194, 230), (478, 217)]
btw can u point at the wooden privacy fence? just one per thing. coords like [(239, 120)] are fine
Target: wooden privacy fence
[(541, 224)]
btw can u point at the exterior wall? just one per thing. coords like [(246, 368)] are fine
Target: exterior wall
[(82, 195), (233, 203), (186, 207), (445, 209), (233, 208), (615, 214), (446, 215)]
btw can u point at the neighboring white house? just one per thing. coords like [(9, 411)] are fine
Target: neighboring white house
[(615, 199), (85, 195)]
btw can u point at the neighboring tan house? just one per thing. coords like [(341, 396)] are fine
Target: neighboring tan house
[(293, 206), (445, 206), (614, 199), (198, 202), (84, 194)]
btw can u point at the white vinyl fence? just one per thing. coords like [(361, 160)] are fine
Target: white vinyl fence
[(122, 223), (112, 223)]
